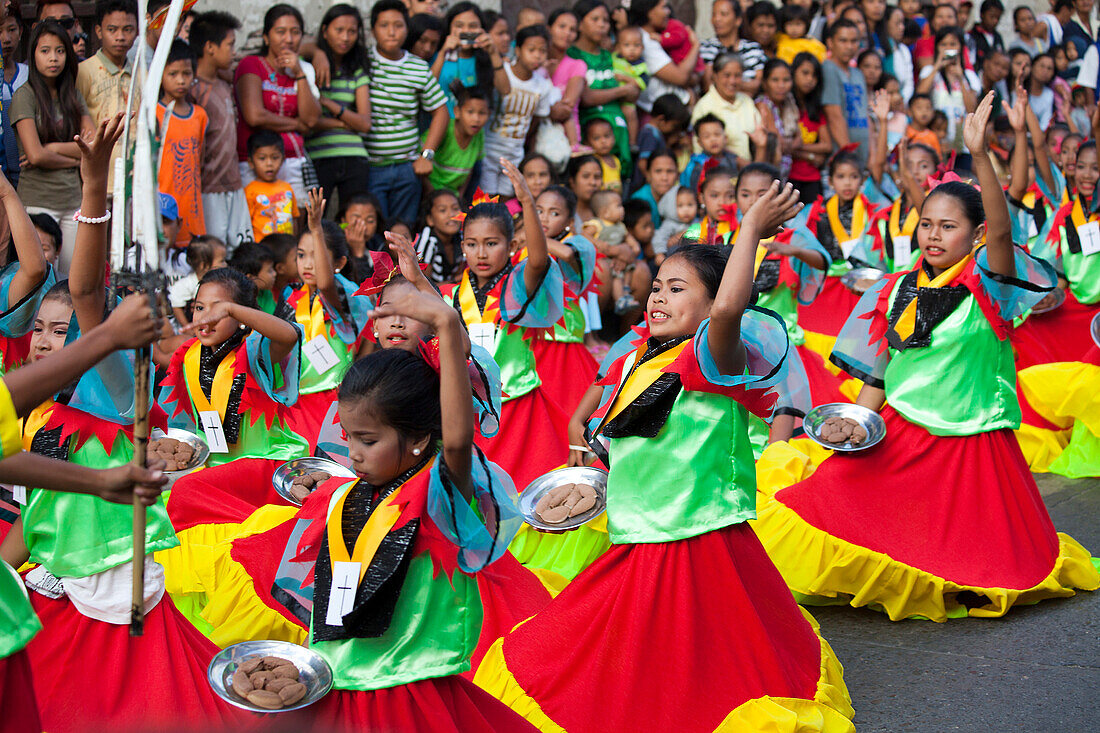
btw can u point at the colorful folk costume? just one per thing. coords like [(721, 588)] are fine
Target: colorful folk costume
[(563, 362), (328, 349), (683, 570), (869, 527), (893, 232), (843, 230), (18, 624), (503, 319), (413, 611), (17, 320), (247, 390), (81, 591), (1059, 336)]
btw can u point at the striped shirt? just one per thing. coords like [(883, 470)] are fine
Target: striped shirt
[(398, 91), (751, 53), (339, 143)]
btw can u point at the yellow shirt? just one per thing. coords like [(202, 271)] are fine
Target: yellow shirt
[(740, 117), (11, 436), (787, 48), (106, 91)]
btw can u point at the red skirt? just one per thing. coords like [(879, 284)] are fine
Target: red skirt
[(440, 705), (532, 438), (1058, 335), (566, 370), (965, 509), (824, 385), (17, 698), (306, 416), (93, 676), (225, 494), (829, 311), (667, 636)]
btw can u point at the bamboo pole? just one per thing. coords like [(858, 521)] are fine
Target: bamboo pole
[(141, 444)]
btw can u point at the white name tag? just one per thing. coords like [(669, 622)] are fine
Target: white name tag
[(341, 597), (19, 494), (1089, 235), (903, 248), (320, 354), (211, 424), (846, 248), (484, 335)]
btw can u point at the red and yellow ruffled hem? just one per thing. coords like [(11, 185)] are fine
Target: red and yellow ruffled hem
[(558, 558), (830, 710), (817, 565)]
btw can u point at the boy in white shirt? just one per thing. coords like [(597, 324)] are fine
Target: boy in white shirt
[(530, 97)]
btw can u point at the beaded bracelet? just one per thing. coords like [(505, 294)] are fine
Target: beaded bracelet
[(78, 216)]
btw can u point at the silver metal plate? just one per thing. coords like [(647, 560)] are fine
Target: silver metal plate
[(870, 420), (851, 278), (290, 470), (1059, 297), (595, 477), (313, 672), (198, 460)]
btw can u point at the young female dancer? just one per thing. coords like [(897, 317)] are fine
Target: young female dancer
[(684, 565), (501, 298), (933, 343)]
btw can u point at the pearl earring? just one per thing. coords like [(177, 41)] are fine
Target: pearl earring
[(416, 451), (375, 335)]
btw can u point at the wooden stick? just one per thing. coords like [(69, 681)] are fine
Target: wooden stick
[(141, 444)]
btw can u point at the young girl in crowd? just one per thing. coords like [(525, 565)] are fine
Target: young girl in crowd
[(779, 112), (585, 177), (331, 315), (538, 173), (439, 244), (817, 143), (87, 542), (677, 523), (46, 113), (360, 217), (979, 540), (840, 223)]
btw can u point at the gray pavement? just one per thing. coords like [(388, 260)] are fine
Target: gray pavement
[(1037, 669)]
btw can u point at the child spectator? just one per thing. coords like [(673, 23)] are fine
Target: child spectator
[(898, 122), (359, 217), (49, 233), (257, 262), (608, 225), (182, 131), (531, 95), (439, 245), (271, 203), (204, 254), (464, 143), (661, 178), (940, 127), (600, 136), (629, 290), (284, 248), (710, 132), (676, 41), (629, 65), (794, 24), (666, 127), (104, 79), (779, 115), (213, 37), (537, 173), (817, 144), (920, 129), (47, 112), (675, 220)]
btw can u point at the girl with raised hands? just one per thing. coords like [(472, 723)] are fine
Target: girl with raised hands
[(684, 564), (504, 299), (943, 518), (330, 314)]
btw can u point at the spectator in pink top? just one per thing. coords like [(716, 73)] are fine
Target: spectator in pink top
[(274, 93), (566, 73)]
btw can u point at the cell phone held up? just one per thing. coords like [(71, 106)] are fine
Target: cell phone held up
[(468, 38)]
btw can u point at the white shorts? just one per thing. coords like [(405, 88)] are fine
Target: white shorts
[(226, 215)]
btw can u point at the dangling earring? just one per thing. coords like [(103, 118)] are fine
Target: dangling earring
[(416, 451)]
